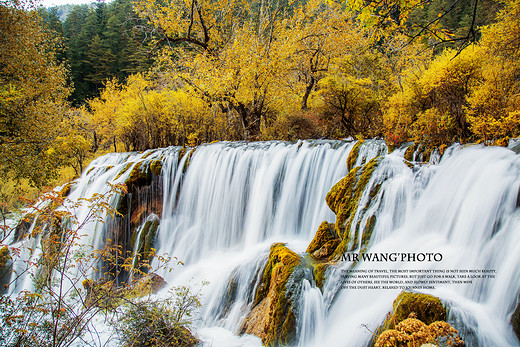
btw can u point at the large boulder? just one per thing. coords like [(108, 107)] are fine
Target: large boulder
[(324, 242), (416, 319), (272, 317), (426, 308)]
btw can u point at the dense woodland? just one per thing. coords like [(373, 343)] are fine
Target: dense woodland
[(79, 81)]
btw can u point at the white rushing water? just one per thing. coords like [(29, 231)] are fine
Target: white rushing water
[(222, 212)]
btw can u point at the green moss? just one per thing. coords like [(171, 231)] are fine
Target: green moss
[(156, 167), (65, 191), (426, 154), (4, 257), (327, 249), (146, 240), (122, 205), (125, 169), (339, 194), (279, 257), (139, 175), (426, 308), (408, 154), (288, 328), (344, 198), (353, 155), (319, 274), (375, 189), (182, 153), (147, 154), (149, 241), (369, 227), (322, 236), (280, 266)]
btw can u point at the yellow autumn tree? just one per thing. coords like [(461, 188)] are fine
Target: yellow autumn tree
[(320, 34), (229, 53), (33, 90), (142, 114), (352, 91), (494, 106), (431, 107)]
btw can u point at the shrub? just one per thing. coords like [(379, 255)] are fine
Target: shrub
[(156, 321)]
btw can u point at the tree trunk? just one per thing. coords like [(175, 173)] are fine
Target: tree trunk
[(250, 121), (308, 90)]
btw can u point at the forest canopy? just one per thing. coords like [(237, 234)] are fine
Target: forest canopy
[(136, 75)]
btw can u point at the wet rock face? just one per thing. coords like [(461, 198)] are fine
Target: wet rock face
[(143, 199), (272, 317), (325, 237), (426, 308), (5, 268), (515, 321), (344, 199)]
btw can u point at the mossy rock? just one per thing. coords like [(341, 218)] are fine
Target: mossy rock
[(427, 154), (125, 169), (279, 257), (182, 153), (339, 195), (156, 167), (369, 228), (23, 227), (67, 188), (322, 236), (353, 155), (123, 205), (146, 241), (5, 268), (230, 296), (408, 154), (4, 256), (272, 317), (426, 308), (140, 175), (319, 274), (327, 249), (344, 199)]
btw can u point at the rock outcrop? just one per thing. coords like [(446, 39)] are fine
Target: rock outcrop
[(272, 317)]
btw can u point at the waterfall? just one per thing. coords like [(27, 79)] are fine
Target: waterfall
[(225, 204), (464, 208), (235, 196)]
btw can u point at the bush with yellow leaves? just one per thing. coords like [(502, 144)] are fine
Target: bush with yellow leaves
[(412, 332)]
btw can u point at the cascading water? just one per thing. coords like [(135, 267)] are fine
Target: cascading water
[(464, 208), (224, 204)]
